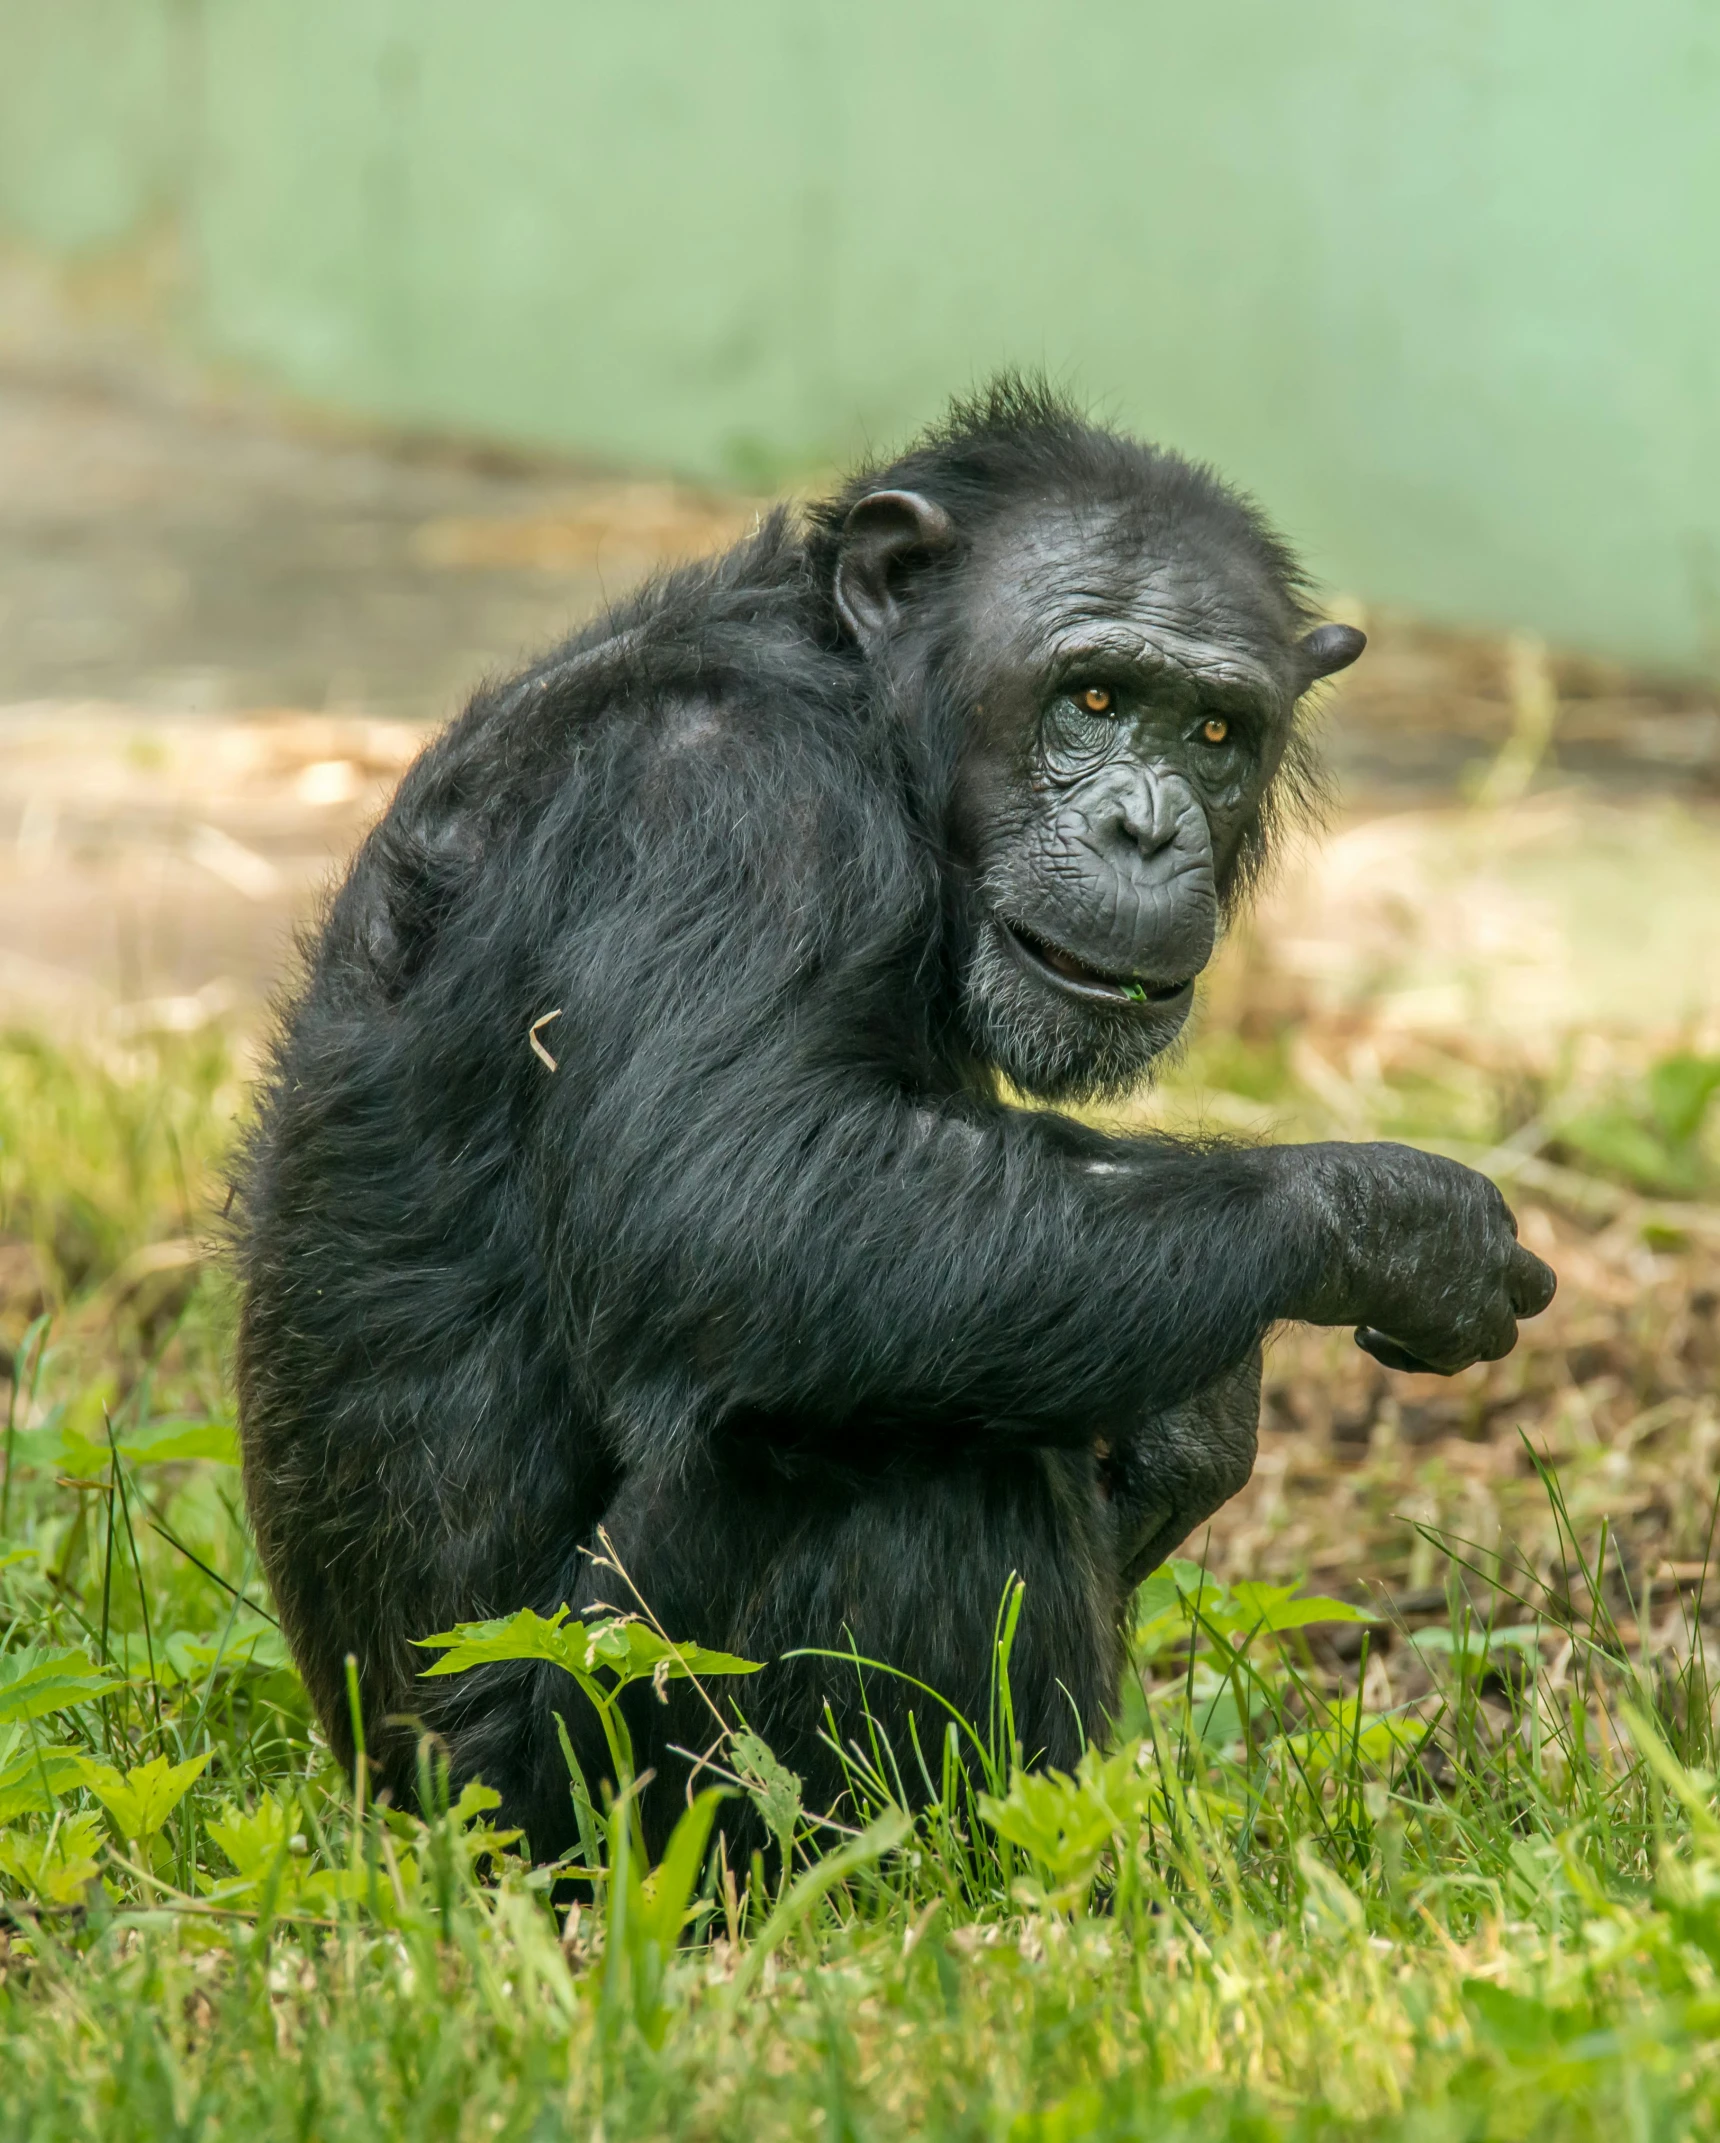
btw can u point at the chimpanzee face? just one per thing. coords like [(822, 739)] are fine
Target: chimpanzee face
[(1132, 683), (1131, 710)]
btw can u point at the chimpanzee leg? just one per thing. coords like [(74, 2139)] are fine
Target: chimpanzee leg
[(908, 1569), (1178, 1467), (760, 1558)]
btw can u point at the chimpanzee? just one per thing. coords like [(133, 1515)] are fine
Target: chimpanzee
[(638, 1154)]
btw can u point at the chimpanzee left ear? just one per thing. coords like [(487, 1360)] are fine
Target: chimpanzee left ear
[(883, 532), (1328, 648)]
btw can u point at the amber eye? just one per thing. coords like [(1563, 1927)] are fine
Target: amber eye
[(1215, 729), (1096, 699)]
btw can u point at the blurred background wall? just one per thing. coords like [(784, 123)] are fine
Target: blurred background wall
[(1441, 286)]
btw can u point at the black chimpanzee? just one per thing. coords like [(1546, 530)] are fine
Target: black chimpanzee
[(635, 1156)]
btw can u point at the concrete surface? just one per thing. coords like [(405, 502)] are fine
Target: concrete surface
[(1440, 284)]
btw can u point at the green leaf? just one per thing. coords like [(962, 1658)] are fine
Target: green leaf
[(84, 1448), (1616, 1142), (627, 1649), (526, 1635), (157, 1442), (1064, 1824), (1475, 1644), (1253, 1606), (254, 1839), (632, 1650), (1514, 2023), (37, 1682), (274, 1863), (1680, 1088), (773, 1789), (1348, 1732), (60, 1865), (190, 1655), (1171, 1584), (33, 1780), (1181, 1594), (1165, 1605), (141, 1800), (476, 1799)]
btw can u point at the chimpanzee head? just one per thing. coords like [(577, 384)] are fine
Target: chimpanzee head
[(1113, 644)]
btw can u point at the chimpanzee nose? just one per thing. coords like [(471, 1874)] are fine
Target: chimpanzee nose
[(1149, 812)]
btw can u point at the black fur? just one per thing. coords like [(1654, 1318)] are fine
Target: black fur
[(763, 1277)]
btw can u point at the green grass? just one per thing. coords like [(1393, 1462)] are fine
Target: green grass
[(1450, 1869)]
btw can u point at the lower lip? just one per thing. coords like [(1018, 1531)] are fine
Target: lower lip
[(1093, 993)]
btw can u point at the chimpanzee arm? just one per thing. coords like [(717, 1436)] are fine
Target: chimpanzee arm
[(1175, 1469), (751, 1218), (841, 1257)]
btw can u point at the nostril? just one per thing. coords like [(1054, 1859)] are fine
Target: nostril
[(1149, 828)]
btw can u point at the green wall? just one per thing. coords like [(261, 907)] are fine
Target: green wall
[(1441, 283)]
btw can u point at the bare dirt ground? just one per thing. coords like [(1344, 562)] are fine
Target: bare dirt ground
[(221, 640)]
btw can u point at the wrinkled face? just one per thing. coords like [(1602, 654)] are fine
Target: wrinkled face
[(1130, 712)]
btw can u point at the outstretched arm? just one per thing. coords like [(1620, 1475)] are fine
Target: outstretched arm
[(855, 1259), (752, 1222)]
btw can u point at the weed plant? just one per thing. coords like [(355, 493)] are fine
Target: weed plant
[(1441, 1860)]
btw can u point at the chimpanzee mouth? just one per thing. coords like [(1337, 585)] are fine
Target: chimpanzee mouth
[(1078, 978)]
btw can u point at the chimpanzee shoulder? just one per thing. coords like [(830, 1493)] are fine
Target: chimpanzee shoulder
[(716, 687)]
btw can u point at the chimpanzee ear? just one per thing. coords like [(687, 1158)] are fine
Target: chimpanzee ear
[(1328, 648), (884, 531)]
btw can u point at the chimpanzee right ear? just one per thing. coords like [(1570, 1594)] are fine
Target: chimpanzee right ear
[(1328, 648), (884, 531)]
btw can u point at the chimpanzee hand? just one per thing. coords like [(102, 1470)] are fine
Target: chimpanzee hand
[(1421, 1256), (1175, 1468)]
